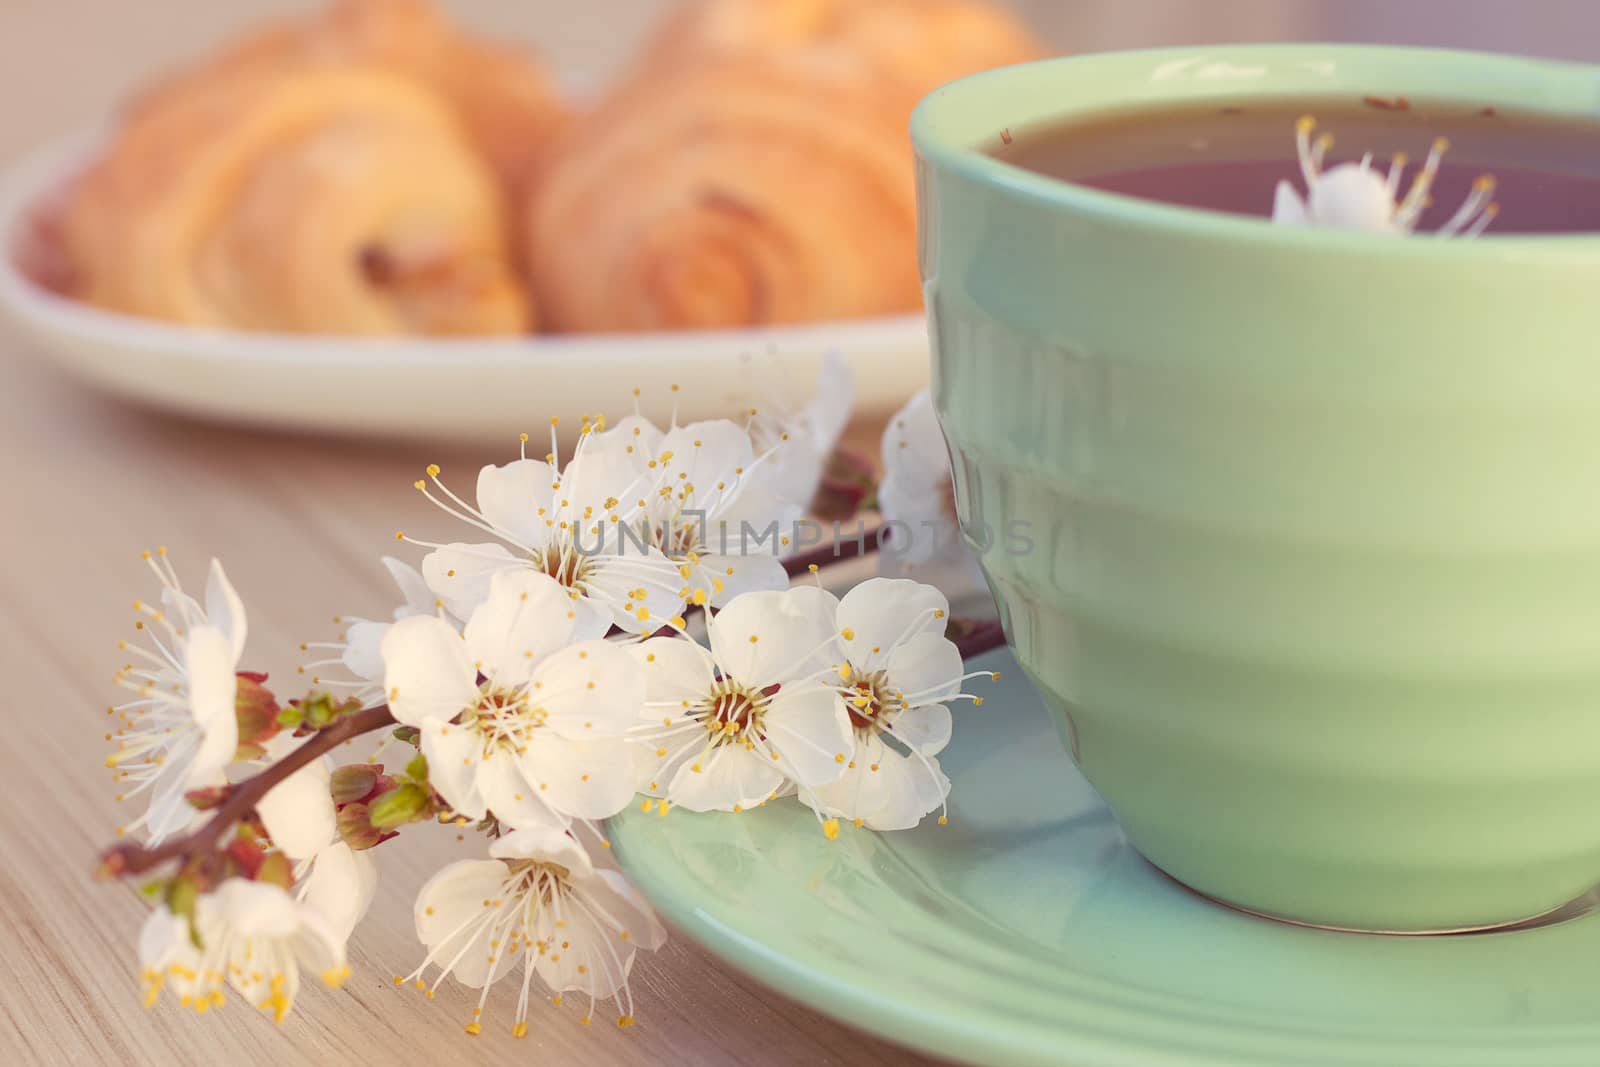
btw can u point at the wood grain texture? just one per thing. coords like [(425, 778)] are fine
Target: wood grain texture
[(300, 524)]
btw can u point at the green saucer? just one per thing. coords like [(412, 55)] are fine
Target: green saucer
[(1028, 931)]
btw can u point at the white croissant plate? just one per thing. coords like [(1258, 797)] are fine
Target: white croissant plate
[(471, 390)]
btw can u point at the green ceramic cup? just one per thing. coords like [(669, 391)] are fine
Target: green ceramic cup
[(1314, 584)]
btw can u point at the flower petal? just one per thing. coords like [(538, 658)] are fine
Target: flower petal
[(170, 812), (724, 778), (225, 610), (418, 597), (317, 946), (298, 812), (764, 638), (446, 909), (363, 649), (926, 669), (548, 844), (454, 754), (916, 488), (925, 727), (427, 671), (608, 920), (808, 727), (619, 571), (341, 886), (704, 455), (164, 940), (886, 789), (515, 801), (525, 616), (726, 577), (208, 663), (251, 909), (518, 498), (598, 474), (1287, 207), (595, 960), (813, 431), (622, 902), (881, 612), (675, 669), (633, 435), (460, 573), (584, 780), (588, 691)]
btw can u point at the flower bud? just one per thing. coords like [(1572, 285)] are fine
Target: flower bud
[(354, 782), (321, 709), (207, 798), (181, 894), (245, 854), (257, 712), (275, 868), (399, 806), (356, 829)]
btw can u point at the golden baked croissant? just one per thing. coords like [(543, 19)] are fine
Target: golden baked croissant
[(332, 199), (731, 192), (922, 43), (504, 99)]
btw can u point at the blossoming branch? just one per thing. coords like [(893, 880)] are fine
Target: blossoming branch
[(536, 676)]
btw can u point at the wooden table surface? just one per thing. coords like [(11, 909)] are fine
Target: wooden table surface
[(300, 525)]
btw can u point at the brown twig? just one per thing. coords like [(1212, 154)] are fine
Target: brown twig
[(130, 857), (983, 637)]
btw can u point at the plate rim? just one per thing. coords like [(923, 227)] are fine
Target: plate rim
[(1115, 1026)]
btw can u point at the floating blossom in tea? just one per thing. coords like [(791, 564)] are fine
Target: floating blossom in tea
[(1356, 196)]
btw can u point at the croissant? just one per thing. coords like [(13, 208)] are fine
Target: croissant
[(921, 43), (734, 192), (328, 200), (504, 99)]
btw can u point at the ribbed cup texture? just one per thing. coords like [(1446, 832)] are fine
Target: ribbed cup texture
[(1314, 579)]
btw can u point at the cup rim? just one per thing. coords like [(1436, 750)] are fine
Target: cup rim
[(949, 128)]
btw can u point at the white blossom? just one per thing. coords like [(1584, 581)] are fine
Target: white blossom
[(713, 506), (542, 903), (180, 731), (252, 936), (917, 498), (729, 726), (802, 439), (580, 525), (541, 740), (359, 649), (898, 673), (302, 822), (1355, 196)]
